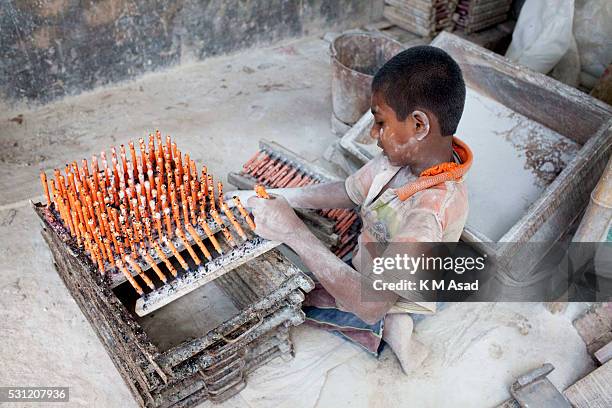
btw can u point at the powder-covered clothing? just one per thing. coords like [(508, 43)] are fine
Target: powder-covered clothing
[(436, 214)]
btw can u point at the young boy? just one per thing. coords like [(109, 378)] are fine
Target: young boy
[(411, 193)]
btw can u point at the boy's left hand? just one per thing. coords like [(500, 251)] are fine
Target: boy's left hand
[(274, 218)]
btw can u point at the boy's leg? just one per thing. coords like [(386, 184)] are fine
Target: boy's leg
[(321, 312), (398, 335)]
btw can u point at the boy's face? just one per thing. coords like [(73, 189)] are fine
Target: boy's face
[(398, 139)]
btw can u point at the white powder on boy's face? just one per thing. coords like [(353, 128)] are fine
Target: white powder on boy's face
[(395, 150)]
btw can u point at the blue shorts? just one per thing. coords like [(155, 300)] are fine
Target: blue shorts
[(347, 325), (321, 311)]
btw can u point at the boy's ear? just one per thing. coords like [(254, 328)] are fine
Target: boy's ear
[(420, 121)]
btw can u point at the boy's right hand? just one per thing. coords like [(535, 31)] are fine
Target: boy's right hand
[(243, 195)]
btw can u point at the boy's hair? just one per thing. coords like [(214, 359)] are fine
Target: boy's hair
[(425, 78)]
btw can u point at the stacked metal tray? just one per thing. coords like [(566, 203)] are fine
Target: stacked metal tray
[(199, 347), (422, 17), (226, 377), (475, 15)]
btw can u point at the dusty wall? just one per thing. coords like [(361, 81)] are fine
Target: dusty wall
[(52, 48)]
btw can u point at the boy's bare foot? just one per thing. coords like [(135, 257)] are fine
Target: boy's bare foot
[(397, 334)]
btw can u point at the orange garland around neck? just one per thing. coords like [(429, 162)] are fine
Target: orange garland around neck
[(440, 173), (439, 168)]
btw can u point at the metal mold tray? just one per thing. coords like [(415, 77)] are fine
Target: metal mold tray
[(230, 375), (264, 293)]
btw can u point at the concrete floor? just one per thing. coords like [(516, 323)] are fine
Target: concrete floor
[(218, 110)]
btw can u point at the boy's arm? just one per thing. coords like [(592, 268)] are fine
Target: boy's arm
[(353, 292), (317, 196)]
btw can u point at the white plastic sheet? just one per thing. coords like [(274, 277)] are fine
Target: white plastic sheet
[(593, 32), (568, 68), (543, 34)]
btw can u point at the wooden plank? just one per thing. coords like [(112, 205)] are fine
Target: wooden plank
[(595, 326), (425, 12), (594, 390), (396, 17), (604, 354)]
